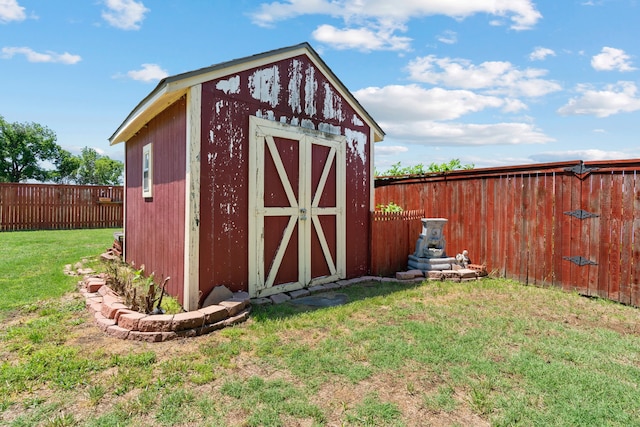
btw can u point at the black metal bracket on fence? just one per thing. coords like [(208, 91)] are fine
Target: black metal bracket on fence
[(581, 214), (581, 169), (580, 261)]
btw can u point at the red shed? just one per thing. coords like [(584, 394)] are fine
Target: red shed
[(256, 174)]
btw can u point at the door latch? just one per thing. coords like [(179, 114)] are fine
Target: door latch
[(303, 213)]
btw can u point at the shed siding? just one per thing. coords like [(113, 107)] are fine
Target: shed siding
[(155, 227), (292, 91)]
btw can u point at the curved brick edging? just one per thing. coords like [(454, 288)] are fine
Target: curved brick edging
[(117, 320)]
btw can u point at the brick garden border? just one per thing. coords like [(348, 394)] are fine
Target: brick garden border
[(119, 321)]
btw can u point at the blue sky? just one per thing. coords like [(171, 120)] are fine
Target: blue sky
[(489, 82)]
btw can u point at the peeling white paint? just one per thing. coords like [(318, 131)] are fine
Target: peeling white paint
[(310, 89), (356, 121), (332, 108), (307, 124), (295, 121), (219, 106), (329, 128), (229, 86), (283, 119), (267, 115), (264, 85), (211, 158), (295, 79), (356, 142), (211, 136)]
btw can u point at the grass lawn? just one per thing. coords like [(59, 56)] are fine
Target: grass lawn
[(482, 353), (32, 262)]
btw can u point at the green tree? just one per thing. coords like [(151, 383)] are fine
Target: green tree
[(25, 149), (96, 169), (66, 168)]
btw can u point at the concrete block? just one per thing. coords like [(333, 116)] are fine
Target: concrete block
[(120, 312), (93, 300), (233, 307), (299, 293), (371, 278), (434, 275), (103, 322), (241, 296), (145, 336), (467, 272), (416, 273), (118, 332), (332, 286), (156, 323), (95, 307), (404, 275), (279, 298), (241, 317), (130, 320), (213, 313), (316, 288), (188, 320), (109, 310)]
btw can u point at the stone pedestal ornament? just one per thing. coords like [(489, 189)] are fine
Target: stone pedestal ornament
[(430, 248)]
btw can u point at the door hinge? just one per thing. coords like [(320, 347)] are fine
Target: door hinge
[(581, 214), (580, 261)]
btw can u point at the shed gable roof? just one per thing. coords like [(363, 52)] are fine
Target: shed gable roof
[(172, 88)]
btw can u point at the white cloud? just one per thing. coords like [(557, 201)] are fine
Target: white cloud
[(372, 15), (124, 14), (495, 77), (389, 150), (448, 37), (148, 73), (33, 56), (415, 114), (586, 155), (541, 53), (466, 134), (10, 10), (412, 102), (365, 39), (610, 59), (621, 97)]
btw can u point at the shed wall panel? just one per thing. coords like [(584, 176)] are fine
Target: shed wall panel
[(292, 91), (155, 226)]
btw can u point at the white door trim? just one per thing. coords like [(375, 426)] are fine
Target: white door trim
[(303, 211)]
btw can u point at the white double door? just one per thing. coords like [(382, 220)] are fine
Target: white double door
[(296, 207)]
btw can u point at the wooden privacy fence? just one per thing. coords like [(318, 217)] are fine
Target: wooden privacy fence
[(50, 207), (393, 238), (573, 225)]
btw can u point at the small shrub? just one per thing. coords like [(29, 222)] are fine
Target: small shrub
[(391, 207), (139, 292)]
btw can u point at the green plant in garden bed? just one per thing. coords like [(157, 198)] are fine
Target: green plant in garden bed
[(139, 291)]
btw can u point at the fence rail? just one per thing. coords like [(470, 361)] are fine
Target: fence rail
[(51, 207), (574, 225)]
